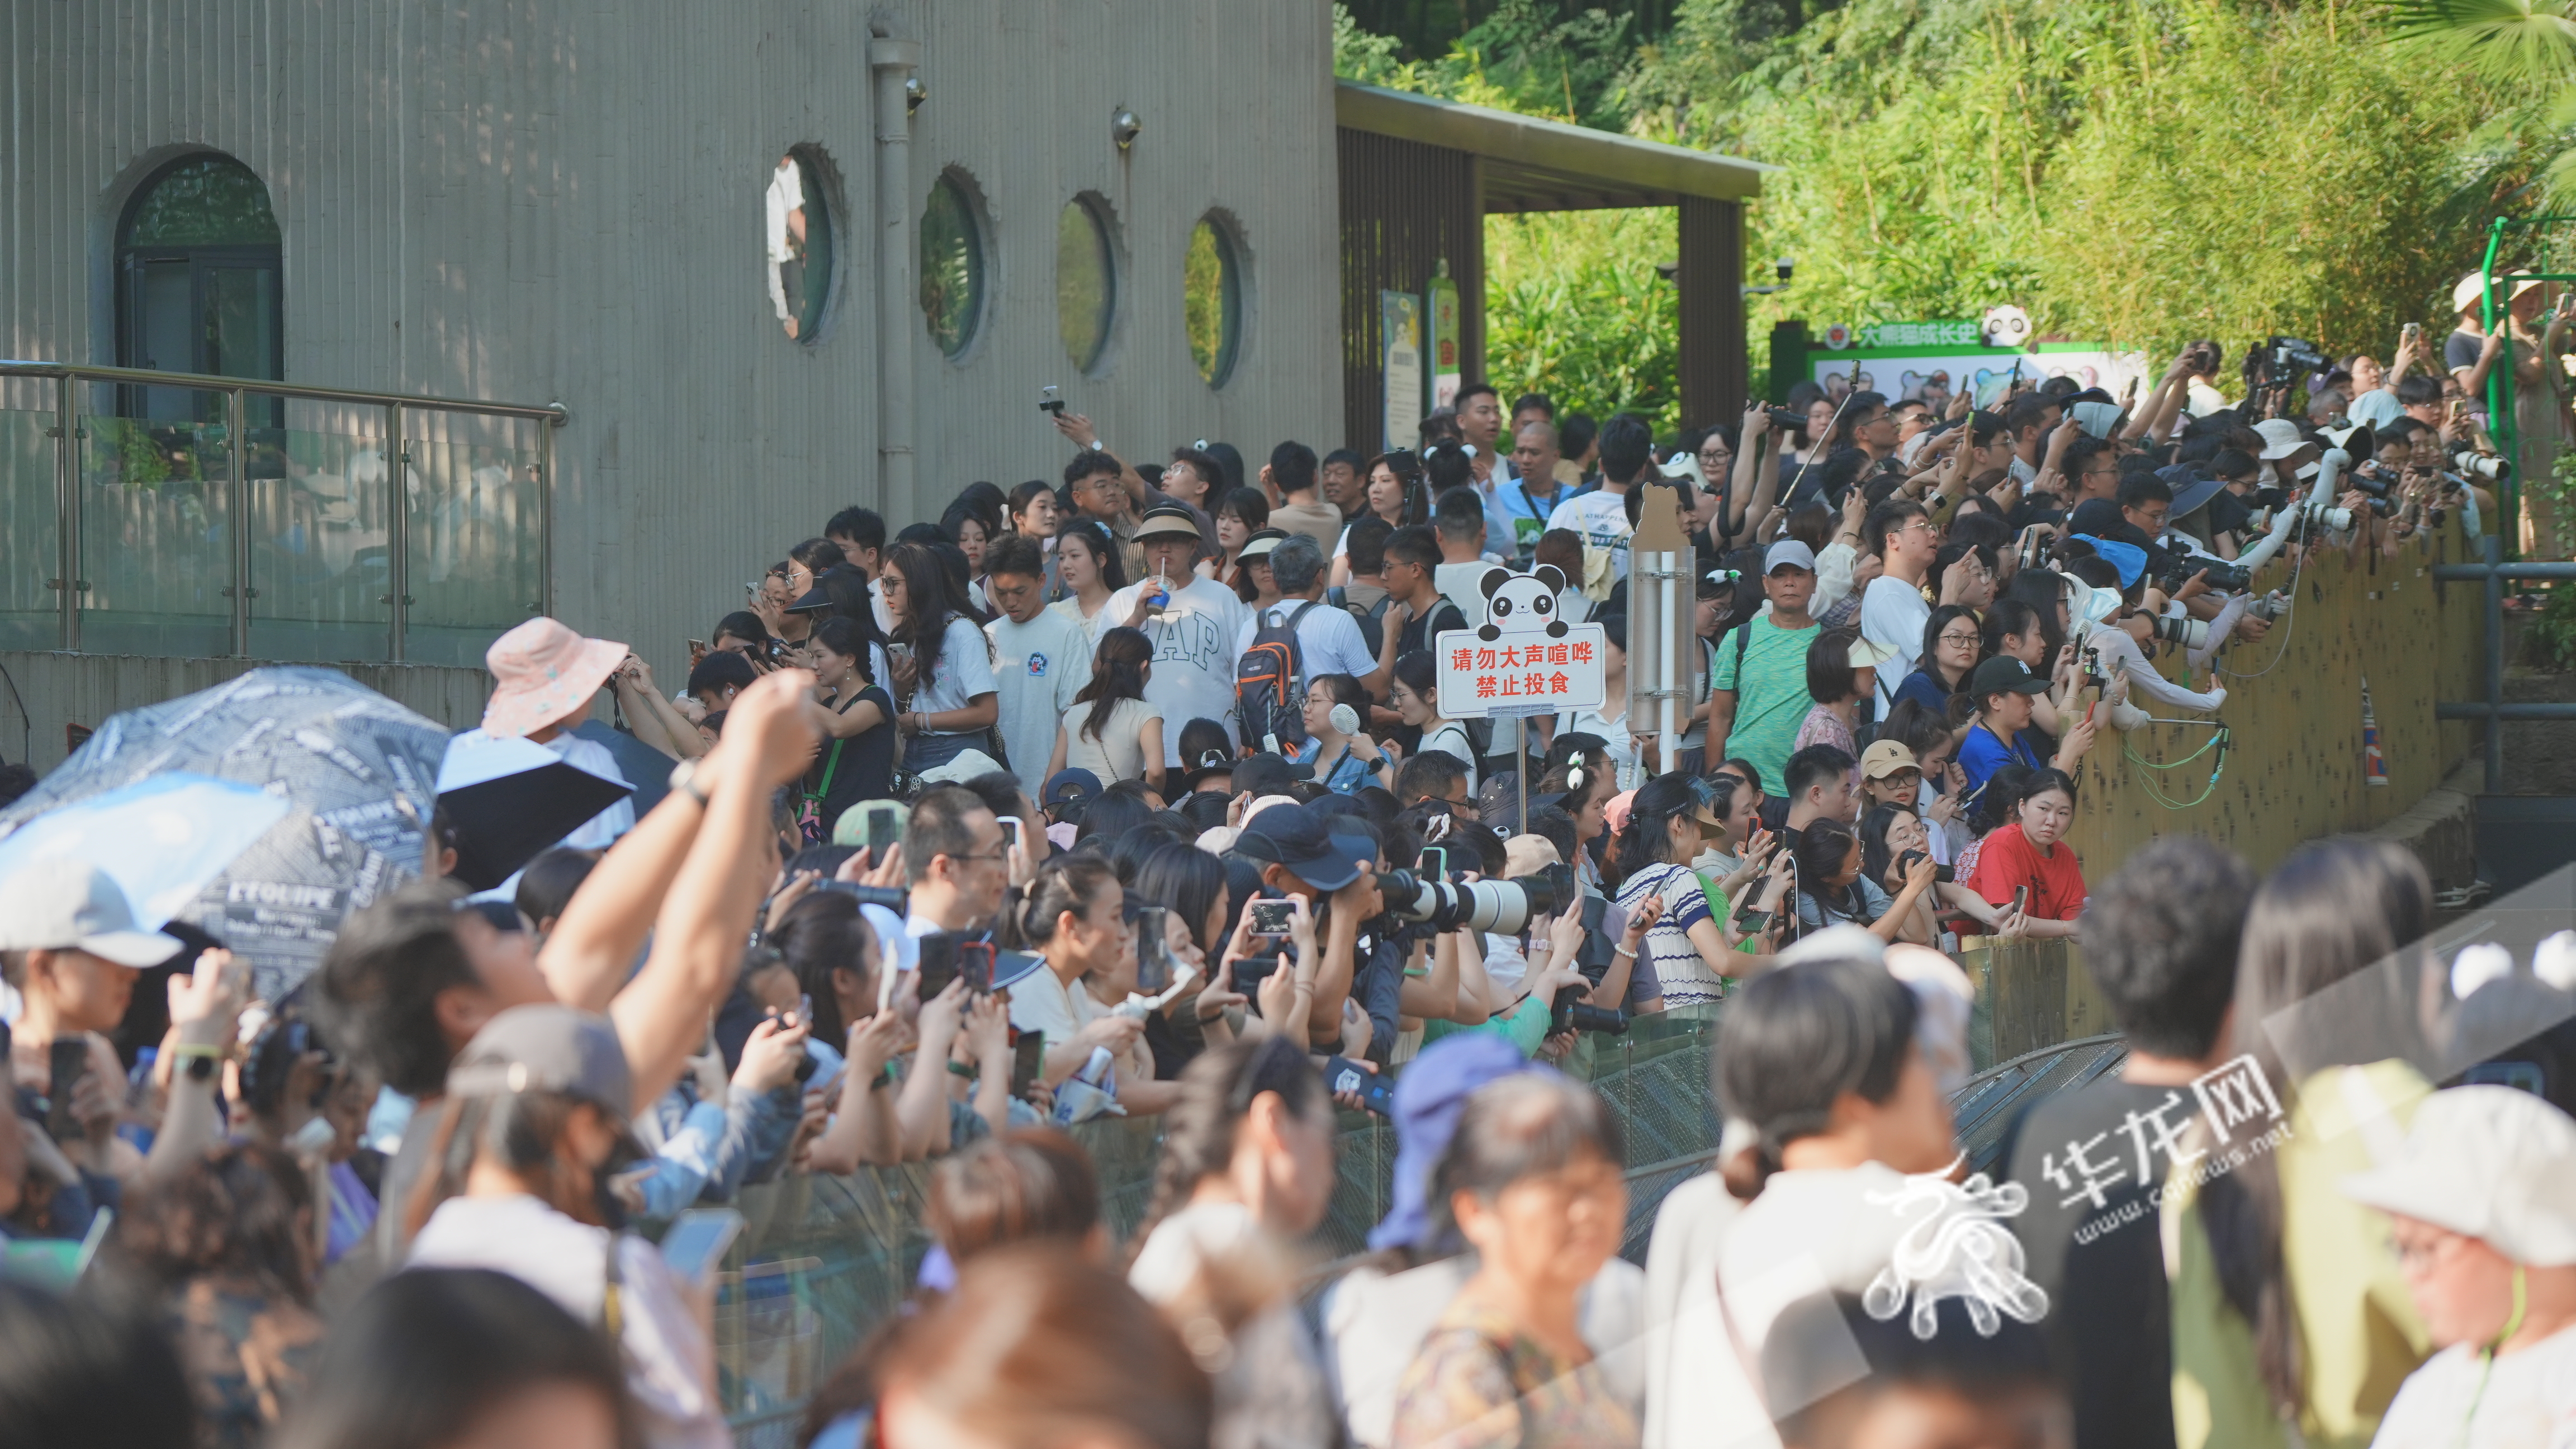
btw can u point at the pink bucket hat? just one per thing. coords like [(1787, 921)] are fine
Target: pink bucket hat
[(545, 671)]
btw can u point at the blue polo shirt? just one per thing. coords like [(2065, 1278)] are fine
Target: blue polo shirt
[(1981, 754)]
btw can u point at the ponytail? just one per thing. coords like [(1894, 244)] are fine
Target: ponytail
[(1064, 883)]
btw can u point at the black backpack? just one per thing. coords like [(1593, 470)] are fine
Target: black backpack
[(1270, 684)]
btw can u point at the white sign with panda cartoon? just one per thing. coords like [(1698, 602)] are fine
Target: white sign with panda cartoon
[(1523, 659)]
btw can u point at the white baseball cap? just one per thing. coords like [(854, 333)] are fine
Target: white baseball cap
[(2491, 1163), (1787, 552), (64, 904)]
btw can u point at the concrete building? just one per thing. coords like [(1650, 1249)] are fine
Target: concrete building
[(723, 269)]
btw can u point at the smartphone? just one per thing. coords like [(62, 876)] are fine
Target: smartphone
[(975, 964), (1251, 971), (2021, 899), (804, 1009), (1749, 916), (1939, 872), (1341, 1074), (698, 1241), (69, 1061), (885, 828), (1028, 1056), (1433, 862), (2410, 331), (1012, 827), (938, 967), (697, 649), (1051, 400), (1271, 918), (1153, 952)]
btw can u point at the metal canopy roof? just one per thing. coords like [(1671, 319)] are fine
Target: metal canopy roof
[(1531, 164)]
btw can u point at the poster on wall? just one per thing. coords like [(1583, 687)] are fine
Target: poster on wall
[(1400, 315), (1442, 297), (1933, 360)]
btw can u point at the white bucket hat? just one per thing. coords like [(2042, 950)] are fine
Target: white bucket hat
[(2491, 1163)]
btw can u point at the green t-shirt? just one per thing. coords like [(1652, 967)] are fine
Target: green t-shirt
[(1771, 696)]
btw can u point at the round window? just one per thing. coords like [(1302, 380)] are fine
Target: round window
[(1212, 300), (1086, 282), (799, 244), (952, 266)]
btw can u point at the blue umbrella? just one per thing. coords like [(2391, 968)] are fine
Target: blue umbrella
[(357, 774), (160, 839)]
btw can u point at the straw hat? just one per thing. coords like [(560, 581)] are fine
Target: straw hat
[(545, 671)]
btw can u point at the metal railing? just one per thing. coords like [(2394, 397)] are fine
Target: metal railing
[(157, 513), (828, 1258), (2494, 572)]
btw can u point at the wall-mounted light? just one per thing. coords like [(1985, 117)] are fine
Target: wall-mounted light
[(1125, 127), (914, 93)]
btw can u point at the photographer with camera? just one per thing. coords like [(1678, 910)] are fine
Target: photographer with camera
[(1327, 863)]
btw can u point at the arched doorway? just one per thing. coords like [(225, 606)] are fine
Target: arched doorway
[(199, 283)]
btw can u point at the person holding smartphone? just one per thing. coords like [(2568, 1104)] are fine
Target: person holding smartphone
[(943, 677), (1075, 916), (2027, 863)]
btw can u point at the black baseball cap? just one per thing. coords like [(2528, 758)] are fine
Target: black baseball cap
[(2004, 674), (1301, 838), (1265, 774)]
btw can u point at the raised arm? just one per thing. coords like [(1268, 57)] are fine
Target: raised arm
[(707, 912)]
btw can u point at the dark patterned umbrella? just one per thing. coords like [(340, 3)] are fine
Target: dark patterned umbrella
[(359, 771)]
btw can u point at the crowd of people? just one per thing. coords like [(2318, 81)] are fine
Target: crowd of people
[(1131, 795)]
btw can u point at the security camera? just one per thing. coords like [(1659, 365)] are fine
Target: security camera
[(1783, 267)]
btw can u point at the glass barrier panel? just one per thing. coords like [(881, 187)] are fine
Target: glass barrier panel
[(155, 536), (30, 532), (319, 498), (475, 517)]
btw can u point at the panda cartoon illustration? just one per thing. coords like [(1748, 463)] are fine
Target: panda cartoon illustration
[(1521, 603)]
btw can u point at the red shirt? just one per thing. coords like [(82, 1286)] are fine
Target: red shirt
[(2006, 859)]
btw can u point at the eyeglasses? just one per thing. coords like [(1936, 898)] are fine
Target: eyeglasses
[(1966, 640)]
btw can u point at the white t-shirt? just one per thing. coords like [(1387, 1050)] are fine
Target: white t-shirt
[(1892, 613), (1042, 1003), (786, 194), (1038, 667), (1328, 639), (1601, 516), (1809, 1232), (1451, 739), (669, 1360), (965, 670), (1194, 654), (2529, 1401)]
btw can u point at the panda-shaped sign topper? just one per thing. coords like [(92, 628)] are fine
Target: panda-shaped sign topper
[(1525, 659), (1522, 603)]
